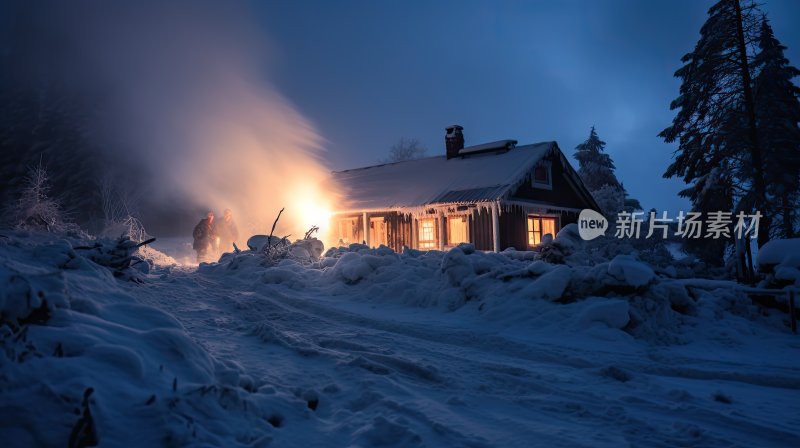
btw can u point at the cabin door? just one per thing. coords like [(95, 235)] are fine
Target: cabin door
[(377, 232)]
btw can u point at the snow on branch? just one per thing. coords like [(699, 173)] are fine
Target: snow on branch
[(35, 209)]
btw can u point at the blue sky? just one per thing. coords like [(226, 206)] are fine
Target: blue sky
[(369, 72)]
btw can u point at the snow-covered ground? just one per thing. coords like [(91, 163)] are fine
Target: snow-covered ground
[(371, 348)]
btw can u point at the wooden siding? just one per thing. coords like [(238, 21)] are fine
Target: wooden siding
[(480, 230), (398, 229), (562, 194), (513, 229)]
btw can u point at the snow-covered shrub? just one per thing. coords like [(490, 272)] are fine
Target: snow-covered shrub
[(128, 226), (36, 210), (779, 260), (119, 255), (270, 251), (336, 252), (566, 242)]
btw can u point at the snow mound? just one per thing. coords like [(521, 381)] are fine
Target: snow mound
[(627, 269), (786, 252), (505, 287), (780, 260), (613, 313), (551, 284), (83, 363)]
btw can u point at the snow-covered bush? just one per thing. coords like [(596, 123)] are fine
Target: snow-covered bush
[(264, 250), (566, 242), (118, 255), (36, 209), (779, 260)]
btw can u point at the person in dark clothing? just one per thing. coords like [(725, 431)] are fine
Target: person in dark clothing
[(227, 231), (205, 236)]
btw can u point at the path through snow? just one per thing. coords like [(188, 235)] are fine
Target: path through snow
[(393, 375)]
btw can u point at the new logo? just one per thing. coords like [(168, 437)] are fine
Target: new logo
[(591, 224)]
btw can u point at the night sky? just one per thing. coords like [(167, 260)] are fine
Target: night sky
[(369, 72)]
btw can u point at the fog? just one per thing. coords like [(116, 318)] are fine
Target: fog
[(181, 107)]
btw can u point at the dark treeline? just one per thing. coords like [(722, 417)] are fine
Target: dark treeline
[(48, 116)]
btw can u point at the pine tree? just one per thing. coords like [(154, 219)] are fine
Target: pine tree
[(719, 153), (596, 170), (778, 114), (595, 166)]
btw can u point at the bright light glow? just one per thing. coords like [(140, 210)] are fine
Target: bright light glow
[(309, 203), (314, 212)]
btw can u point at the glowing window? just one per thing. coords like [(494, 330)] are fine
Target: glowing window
[(457, 230), (346, 231), (539, 226), (427, 234)]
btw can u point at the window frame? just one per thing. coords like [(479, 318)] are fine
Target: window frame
[(427, 244), (465, 219), (353, 224), (529, 232), (548, 166)]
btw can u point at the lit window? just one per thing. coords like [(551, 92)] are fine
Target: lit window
[(347, 231), (457, 230), (427, 234), (542, 175), (538, 227)]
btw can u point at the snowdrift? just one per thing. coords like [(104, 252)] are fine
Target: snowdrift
[(82, 362), (646, 302), (86, 359), (780, 260)]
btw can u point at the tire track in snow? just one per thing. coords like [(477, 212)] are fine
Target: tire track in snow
[(419, 360)]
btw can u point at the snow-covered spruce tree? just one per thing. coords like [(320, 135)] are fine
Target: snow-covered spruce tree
[(778, 114), (631, 204), (597, 172), (611, 199), (595, 166), (715, 125)]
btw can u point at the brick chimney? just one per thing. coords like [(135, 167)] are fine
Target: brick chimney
[(453, 140)]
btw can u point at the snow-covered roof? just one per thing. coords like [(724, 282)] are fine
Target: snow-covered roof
[(431, 180), (500, 144)]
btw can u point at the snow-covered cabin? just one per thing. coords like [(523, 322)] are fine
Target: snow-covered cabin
[(494, 195)]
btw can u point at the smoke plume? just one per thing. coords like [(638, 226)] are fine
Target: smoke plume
[(180, 105)]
